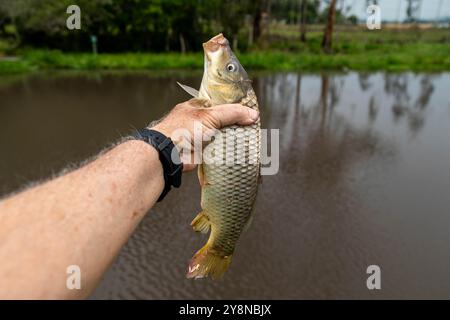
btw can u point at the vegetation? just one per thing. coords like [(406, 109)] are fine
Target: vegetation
[(151, 25), (349, 54), (167, 34)]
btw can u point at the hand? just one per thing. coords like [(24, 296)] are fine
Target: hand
[(190, 121)]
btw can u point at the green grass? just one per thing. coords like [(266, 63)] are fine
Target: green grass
[(13, 67), (390, 50)]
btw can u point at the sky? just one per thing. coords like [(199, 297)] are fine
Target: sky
[(393, 10)]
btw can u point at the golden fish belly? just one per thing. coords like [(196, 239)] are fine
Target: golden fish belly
[(229, 189)]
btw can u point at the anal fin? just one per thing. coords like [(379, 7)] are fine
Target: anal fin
[(201, 223)]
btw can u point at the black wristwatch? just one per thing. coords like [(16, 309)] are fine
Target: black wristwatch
[(168, 155)]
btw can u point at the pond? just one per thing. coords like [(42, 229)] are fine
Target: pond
[(364, 180)]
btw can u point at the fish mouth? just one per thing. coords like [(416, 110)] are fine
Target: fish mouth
[(215, 43)]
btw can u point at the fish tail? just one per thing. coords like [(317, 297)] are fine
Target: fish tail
[(208, 263)]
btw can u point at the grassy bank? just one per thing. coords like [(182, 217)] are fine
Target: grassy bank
[(390, 50), (416, 58)]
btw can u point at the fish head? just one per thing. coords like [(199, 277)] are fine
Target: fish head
[(224, 79)]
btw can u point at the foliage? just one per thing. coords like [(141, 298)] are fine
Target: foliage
[(375, 53), (289, 10), (142, 25)]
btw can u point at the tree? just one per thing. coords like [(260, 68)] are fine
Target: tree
[(259, 8), (303, 6), (413, 10), (183, 22), (231, 15), (257, 17), (36, 21), (328, 33), (438, 13), (147, 25), (3, 21)]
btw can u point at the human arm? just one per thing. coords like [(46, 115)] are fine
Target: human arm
[(84, 217)]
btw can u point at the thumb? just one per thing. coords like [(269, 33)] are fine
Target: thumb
[(228, 114)]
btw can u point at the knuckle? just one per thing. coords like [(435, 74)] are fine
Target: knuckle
[(197, 113), (212, 117)]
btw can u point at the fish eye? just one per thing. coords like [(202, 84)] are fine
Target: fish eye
[(231, 67)]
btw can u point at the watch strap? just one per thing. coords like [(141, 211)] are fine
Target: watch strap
[(168, 155)]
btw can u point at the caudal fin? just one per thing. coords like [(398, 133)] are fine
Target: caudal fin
[(207, 263)]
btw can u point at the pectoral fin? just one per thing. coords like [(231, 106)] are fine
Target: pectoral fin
[(201, 175), (193, 92)]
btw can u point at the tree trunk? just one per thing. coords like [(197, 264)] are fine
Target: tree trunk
[(438, 14), (235, 42), (328, 34), (268, 15), (303, 5), (17, 36), (262, 6), (182, 44), (250, 33), (257, 17)]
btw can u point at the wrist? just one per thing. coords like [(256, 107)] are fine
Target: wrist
[(160, 127), (140, 163), (168, 157)]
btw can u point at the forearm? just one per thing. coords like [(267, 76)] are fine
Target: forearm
[(82, 218)]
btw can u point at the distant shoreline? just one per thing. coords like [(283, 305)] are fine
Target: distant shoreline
[(421, 57), (353, 49)]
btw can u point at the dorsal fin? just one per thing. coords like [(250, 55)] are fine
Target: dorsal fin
[(193, 92)]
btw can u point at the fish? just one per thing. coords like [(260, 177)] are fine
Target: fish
[(228, 189)]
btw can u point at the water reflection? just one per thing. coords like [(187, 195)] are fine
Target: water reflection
[(363, 180), (364, 81), (313, 135), (332, 160), (404, 105)]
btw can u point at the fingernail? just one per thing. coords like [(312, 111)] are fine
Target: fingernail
[(254, 115)]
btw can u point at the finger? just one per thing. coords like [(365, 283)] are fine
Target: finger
[(189, 167), (228, 114)]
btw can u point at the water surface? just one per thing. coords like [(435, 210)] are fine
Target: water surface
[(364, 179)]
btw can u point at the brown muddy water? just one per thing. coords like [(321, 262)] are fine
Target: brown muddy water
[(364, 179)]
